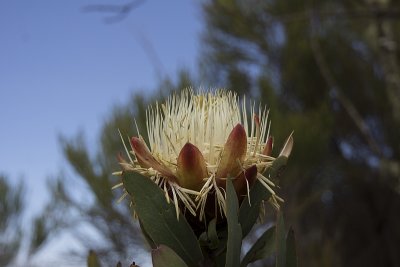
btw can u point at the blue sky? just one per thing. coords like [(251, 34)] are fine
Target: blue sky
[(62, 70)]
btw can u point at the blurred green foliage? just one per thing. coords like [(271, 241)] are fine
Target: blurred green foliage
[(329, 70), (11, 207), (119, 234)]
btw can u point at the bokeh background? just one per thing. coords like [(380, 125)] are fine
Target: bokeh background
[(73, 72)]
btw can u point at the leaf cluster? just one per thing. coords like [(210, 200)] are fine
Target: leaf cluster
[(174, 243)]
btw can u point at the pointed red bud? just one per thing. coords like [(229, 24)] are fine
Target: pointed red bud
[(257, 121), (268, 146), (120, 158), (124, 164), (146, 160), (233, 154), (191, 168), (240, 183)]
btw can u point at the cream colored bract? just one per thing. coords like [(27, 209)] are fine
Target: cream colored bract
[(197, 141)]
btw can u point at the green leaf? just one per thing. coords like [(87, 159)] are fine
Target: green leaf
[(262, 248), (203, 239), (234, 242), (147, 236), (92, 260), (280, 241), (220, 250), (277, 166), (212, 234), (291, 255), (163, 256), (210, 238), (159, 220), (248, 213), (220, 259)]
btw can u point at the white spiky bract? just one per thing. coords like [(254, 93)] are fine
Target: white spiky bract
[(204, 119)]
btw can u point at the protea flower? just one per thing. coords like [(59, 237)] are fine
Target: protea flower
[(197, 141)]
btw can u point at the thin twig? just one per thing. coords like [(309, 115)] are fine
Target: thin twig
[(344, 101), (387, 51), (120, 11)]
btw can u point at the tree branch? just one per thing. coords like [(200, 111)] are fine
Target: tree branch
[(120, 11), (387, 51), (348, 106)]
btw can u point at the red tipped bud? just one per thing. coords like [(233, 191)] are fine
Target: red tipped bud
[(268, 146), (240, 183), (257, 121), (233, 154), (124, 164), (191, 168), (146, 160)]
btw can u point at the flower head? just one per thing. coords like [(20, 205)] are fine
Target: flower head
[(197, 141)]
